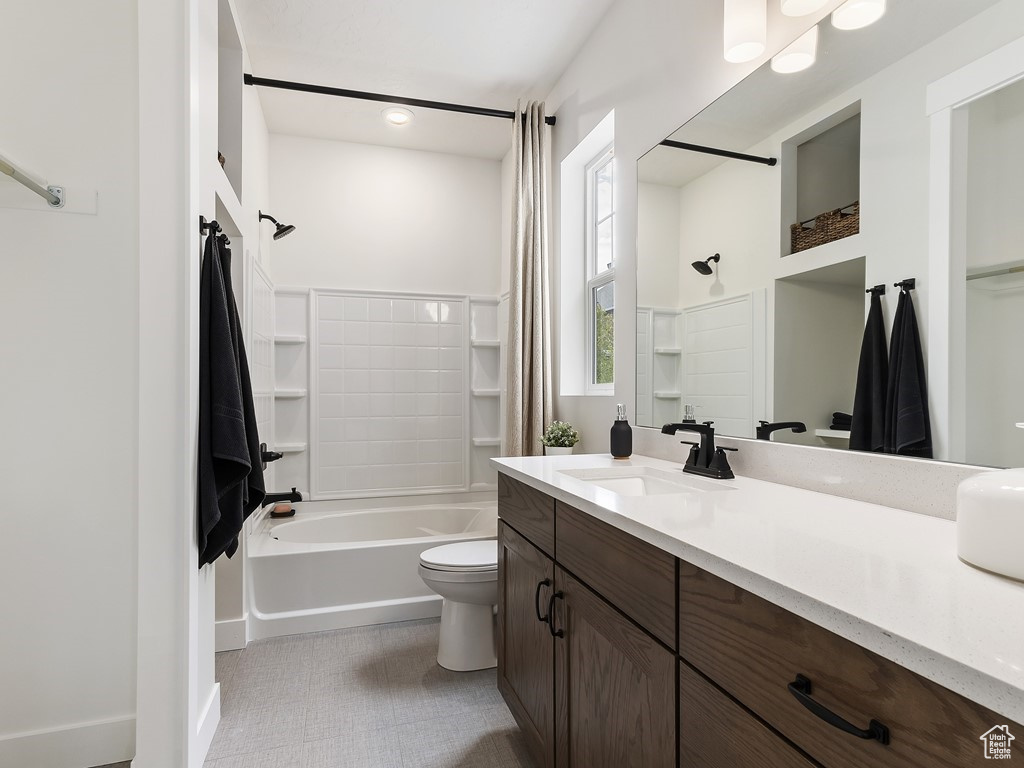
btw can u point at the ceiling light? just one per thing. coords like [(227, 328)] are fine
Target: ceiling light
[(799, 55), (854, 14), (745, 29), (801, 7), (397, 115)]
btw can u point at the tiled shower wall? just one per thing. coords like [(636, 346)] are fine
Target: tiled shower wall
[(389, 402), (260, 354)]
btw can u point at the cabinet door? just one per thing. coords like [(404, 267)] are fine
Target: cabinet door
[(616, 686), (525, 652)]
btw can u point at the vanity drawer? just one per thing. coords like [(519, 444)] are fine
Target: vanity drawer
[(634, 576), (529, 511), (753, 649), (715, 732)]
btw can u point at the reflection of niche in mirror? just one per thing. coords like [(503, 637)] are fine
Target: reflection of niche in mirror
[(819, 320), (995, 289)]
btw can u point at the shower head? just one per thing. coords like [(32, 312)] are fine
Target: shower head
[(704, 267), (281, 229)]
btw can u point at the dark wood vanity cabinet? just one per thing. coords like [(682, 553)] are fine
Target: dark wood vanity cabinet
[(614, 654)]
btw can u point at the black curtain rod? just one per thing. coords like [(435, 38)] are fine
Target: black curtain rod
[(720, 152), (287, 85)]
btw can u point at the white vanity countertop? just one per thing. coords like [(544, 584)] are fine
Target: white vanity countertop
[(886, 579)]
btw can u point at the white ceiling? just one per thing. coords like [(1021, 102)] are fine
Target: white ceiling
[(487, 53)]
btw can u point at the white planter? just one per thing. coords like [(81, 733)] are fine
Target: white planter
[(552, 451)]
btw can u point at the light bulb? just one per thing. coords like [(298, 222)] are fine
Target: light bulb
[(397, 115), (745, 30), (799, 55), (855, 14)]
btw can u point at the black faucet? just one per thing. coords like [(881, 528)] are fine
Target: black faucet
[(273, 498), (764, 429), (705, 460)]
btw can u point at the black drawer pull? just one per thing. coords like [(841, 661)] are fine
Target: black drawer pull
[(536, 600), (801, 690), (551, 614)]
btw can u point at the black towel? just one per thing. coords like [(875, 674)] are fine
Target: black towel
[(907, 428), (230, 472), (867, 428), (841, 421)]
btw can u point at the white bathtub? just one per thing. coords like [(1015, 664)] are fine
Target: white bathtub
[(334, 566)]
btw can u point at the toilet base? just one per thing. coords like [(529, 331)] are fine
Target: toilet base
[(467, 637)]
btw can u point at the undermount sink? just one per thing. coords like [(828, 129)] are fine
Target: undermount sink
[(643, 481)]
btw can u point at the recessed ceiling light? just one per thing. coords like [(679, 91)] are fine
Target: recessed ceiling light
[(746, 28), (801, 7), (799, 55), (397, 116), (855, 14)]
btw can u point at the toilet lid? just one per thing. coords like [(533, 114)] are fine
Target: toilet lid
[(464, 556)]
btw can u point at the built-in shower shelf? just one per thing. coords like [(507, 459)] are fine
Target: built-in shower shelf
[(665, 395), (493, 343), (668, 351), (289, 339), (291, 447), (834, 434), (482, 442), (289, 394), (486, 393)]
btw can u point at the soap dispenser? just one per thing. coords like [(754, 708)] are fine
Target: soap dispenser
[(622, 436)]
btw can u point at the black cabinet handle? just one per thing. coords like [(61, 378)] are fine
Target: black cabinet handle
[(536, 600), (801, 690), (551, 614)]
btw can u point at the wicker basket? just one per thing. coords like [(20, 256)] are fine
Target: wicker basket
[(826, 227)]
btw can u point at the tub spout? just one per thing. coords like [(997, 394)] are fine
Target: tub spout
[(273, 498)]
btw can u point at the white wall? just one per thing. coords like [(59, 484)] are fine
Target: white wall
[(658, 255), (69, 310), (380, 218)]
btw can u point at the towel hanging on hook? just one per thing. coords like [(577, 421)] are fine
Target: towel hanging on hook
[(906, 285)]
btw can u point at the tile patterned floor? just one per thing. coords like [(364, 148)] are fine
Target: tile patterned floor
[(368, 697)]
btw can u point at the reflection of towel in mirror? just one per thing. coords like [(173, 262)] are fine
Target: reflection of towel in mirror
[(867, 427), (230, 472), (907, 428), (841, 421)]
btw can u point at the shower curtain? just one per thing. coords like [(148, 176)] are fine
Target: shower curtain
[(528, 400)]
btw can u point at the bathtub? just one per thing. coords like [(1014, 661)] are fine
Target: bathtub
[(339, 564)]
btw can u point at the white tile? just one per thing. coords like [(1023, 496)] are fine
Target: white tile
[(428, 474), (332, 429), (356, 404), (450, 427), (332, 406), (330, 308), (428, 450), (450, 336), (405, 451), (331, 332), (332, 454), (404, 427), (406, 357), (382, 381), (357, 357), (357, 333), (427, 311), (403, 310), (451, 405), (379, 452), (426, 335), (451, 311), (428, 427), (450, 450), (357, 428), (404, 334), (380, 310), (404, 404), (356, 308), (357, 381), (427, 405), (405, 381), (451, 381), (405, 476), (381, 404), (451, 474), (331, 356), (427, 381), (332, 478), (381, 334), (382, 357), (426, 359), (332, 381), (450, 359), (354, 454), (384, 428)]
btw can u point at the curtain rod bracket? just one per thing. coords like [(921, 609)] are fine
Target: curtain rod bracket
[(346, 93)]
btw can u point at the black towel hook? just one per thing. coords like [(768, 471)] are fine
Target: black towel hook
[(906, 285), (877, 290), (212, 228)]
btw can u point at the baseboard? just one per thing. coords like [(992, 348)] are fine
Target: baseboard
[(209, 719), (229, 635), (97, 743), (264, 625)]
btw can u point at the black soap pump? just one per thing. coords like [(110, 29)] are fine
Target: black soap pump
[(622, 436)]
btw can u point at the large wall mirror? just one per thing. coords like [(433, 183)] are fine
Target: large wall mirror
[(755, 266)]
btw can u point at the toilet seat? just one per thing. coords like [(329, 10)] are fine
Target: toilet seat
[(464, 557)]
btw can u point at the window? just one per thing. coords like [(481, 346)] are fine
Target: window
[(600, 257)]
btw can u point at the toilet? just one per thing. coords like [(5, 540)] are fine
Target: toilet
[(466, 576)]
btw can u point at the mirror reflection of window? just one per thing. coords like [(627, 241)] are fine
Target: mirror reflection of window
[(600, 257)]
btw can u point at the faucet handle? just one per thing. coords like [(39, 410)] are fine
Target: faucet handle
[(720, 464), (708, 423)]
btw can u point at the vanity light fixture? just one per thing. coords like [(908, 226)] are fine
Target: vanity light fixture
[(745, 30), (856, 14), (397, 116), (801, 7), (799, 55)]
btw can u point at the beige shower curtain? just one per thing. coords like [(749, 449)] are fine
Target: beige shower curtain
[(528, 396)]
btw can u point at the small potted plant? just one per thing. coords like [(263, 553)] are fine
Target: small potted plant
[(559, 438)]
